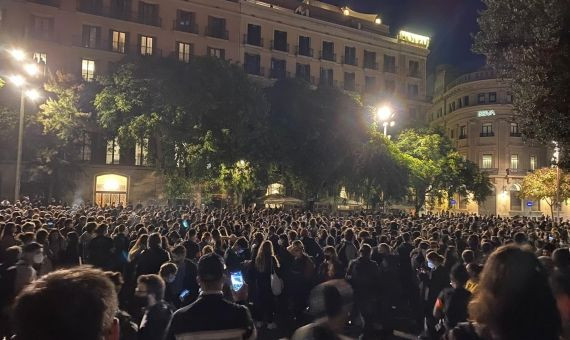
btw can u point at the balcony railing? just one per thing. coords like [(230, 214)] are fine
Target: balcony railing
[(279, 46), (149, 20), (215, 32), (516, 134), (52, 3), (479, 75), (103, 45), (310, 79), (487, 134), (279, 73), (327, 56), (370, 65), (256, 71), (304, 51), (348, 61), (414, 74), (390, 68), (180, 26), (119, 14), (42, 35), (252, 40), (462, 137)]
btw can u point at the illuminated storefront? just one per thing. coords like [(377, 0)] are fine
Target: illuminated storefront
[(111, 189)]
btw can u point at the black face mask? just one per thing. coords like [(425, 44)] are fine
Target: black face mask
[(140, 301), (328, 257)]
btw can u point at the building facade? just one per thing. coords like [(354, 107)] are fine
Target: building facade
[(272, 39), (475, 110)]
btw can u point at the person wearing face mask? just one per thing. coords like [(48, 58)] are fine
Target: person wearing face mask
[(184, 287), (150, 288), (32, 254), (168, 272), (331, 268), (451, 304), (432, 280)]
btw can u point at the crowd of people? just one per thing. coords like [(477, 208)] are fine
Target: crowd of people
[(87, 272)]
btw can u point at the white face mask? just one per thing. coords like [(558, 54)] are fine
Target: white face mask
[(38, 258), (171, 279), (431, 265)]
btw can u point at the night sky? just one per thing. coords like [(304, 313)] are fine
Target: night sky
[(449, 23)]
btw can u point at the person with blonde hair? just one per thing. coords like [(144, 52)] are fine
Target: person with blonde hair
[(259, 275)]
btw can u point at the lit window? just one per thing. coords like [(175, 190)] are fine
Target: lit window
[(119, 42), (515, 129), (141, 152), (184, 51), (147, 45), (532, 163), (113, 151), (88, 69), (487, 162), (41, 59), (216, 52), (514, 161)]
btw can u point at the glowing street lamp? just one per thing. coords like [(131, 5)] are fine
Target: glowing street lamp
[(17, 80), (32, 69), (18, 54), (33, 95), (384, 115)]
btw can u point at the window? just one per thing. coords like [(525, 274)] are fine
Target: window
[(120, 9), (184, 51), (85, 152), (514, 161), (280, 41), (389, 63), (350, 55), (509, 97), (451, 133), (253, 35), (492, 97), (414, 68), (452, 107), (91, 6), (91, 35), (216, 52), (413, 90), (118, 41), (459, 103), (146, 45), (349, 81), (305, 46), (113, 151), (466, 101), (328, 51), (186, 22), (303, 71), (42, 27), (515, 130), (88, 69), (390, 85), (278, 68), (516, 201), (327, 77), (532, 163), (370, 60), (487, 130), (41, 59), (252, 64), (481, 98), (462, 132), (487, 162), (148, 14), (217, 28), (141, 152), (369, 84)]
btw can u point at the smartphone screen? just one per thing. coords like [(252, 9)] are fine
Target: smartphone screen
[(237, 281), (185, 224), (184, 294)]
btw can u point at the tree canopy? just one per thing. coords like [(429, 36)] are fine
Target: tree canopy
[(528, 42), (541, 184)]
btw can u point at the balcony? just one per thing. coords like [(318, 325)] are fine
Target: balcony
[(479, 75), (119, 14), (307, 78), (188, 27), (279, 46), (329, 56), (516, 134), (103, 45), (390, 68), (304, 51), (42, 35), (277, 73), (254, 70), (216, 32), (52, 3), (252, 40), (348, 61), (372, 65), (487, 134), (462, 137), (490, 171), (414, 74), (149, 20)]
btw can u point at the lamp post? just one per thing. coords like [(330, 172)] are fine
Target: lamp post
[(385, 115), (19, 81)]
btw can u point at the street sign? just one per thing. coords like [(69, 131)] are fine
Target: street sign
[(453, 202), (529, 204)]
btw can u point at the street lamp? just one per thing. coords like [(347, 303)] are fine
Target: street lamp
[(32, 69), (385, 115), (18, 54)]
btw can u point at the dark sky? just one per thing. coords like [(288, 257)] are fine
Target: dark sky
[(449, 23)]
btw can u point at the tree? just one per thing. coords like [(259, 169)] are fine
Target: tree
[(314, 133), (437, 170), (528, 42), (541, 184), (202, 116)]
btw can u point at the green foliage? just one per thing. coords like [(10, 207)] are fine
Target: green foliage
[(528, 43), (437, 169), (541, 184)]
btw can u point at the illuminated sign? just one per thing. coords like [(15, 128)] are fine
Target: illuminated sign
[(414, 39), (485, 113)]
